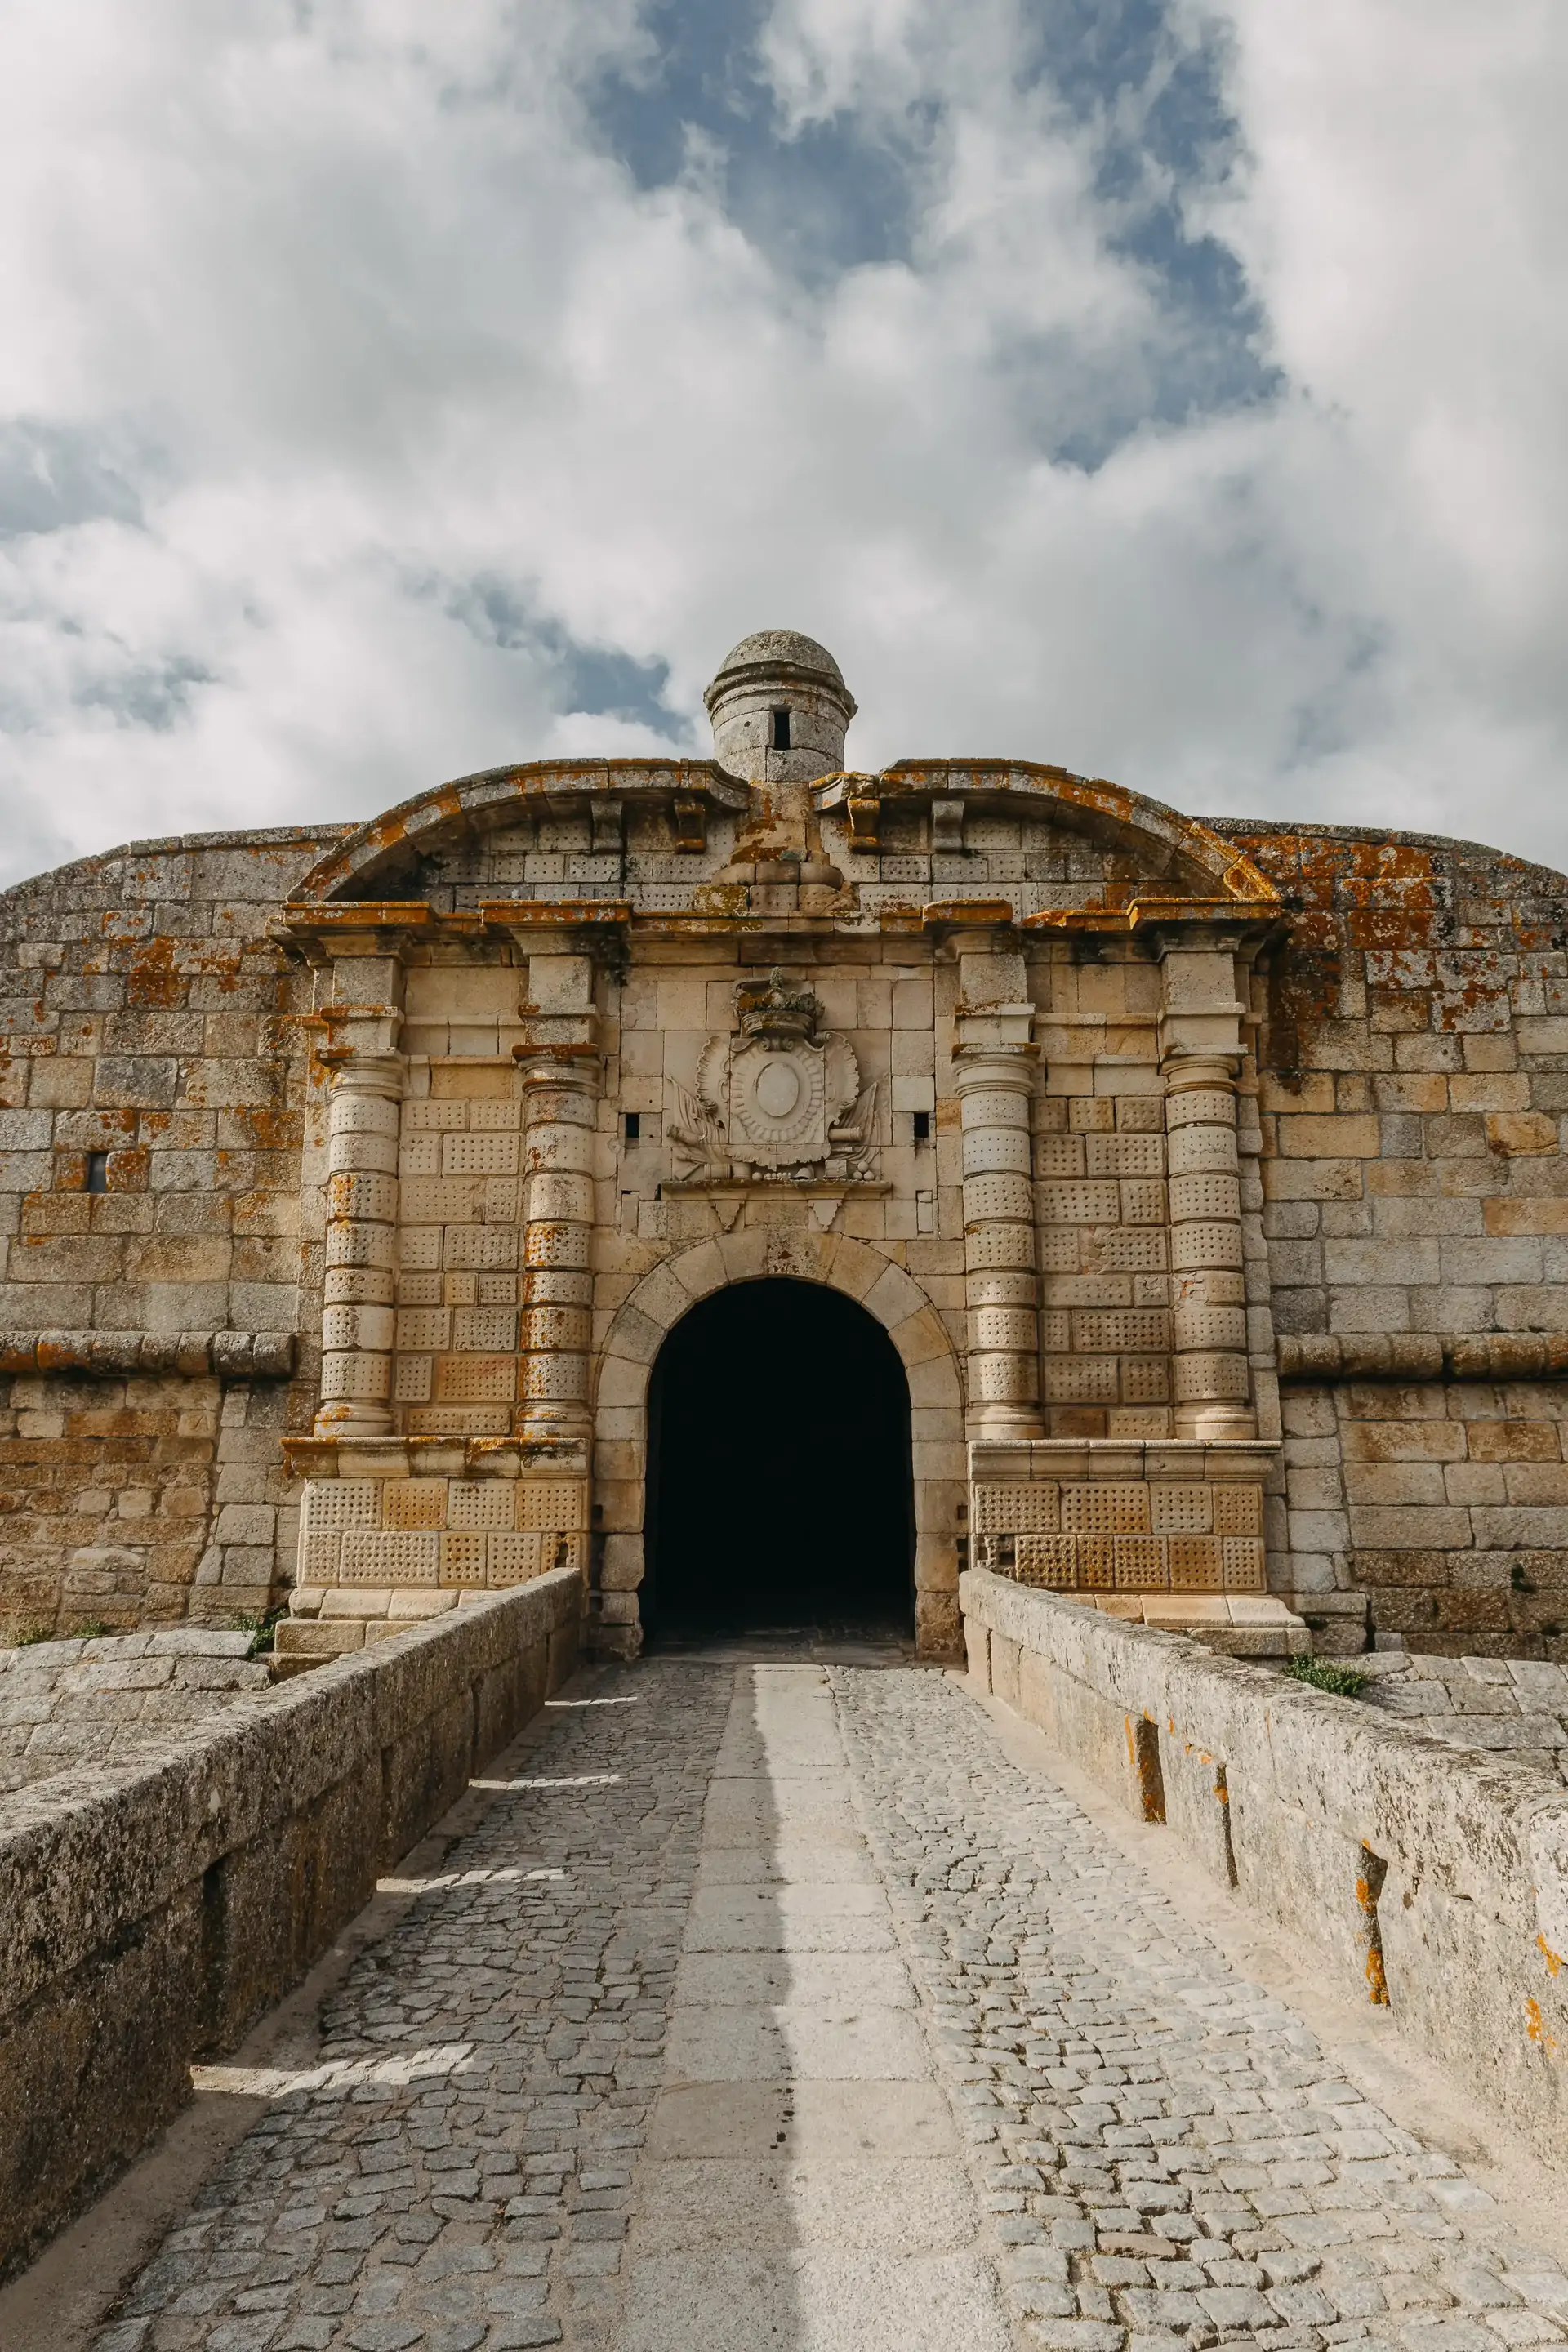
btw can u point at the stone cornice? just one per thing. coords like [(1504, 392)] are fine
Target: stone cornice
[(1168, 846), (408, 928), (1321, 1356), (119, 1355), (498, 796)]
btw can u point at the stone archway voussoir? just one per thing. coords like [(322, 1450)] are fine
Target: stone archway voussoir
[(849, 1266), (636, 1335), (935, 1383), (661, 1297), (894, 1298), (623, 1385), (745, 1256), (700, 1270), (921, 1338)]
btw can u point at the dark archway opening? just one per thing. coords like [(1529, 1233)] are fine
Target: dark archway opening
[(779, 1488)]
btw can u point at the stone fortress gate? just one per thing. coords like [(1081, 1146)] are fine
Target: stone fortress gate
[(768, 1185)]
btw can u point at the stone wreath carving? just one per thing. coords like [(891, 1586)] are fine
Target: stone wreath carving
[(780, 1100)]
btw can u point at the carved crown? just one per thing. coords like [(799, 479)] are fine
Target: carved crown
[(776, 1013)]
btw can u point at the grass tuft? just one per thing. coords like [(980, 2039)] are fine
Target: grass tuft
[(1328, 1675), (263, 1631)]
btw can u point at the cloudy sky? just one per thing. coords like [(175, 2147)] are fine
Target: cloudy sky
[(391, 389)]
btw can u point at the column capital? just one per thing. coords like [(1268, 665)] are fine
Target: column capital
[(1014, 1069), (353, 1069), (1189, 1070), (1007, 1028), (560, 1037), (562, 1064)]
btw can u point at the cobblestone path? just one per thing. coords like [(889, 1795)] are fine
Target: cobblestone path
[(772, 2008)]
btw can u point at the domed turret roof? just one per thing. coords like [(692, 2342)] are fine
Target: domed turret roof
[(782, 645)]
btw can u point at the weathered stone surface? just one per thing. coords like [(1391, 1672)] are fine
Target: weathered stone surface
[(1302, 1803), (64, 1703), (1046, 2112), (148, 1912), (430, 1131)]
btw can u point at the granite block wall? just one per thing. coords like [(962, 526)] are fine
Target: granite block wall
[(1282, 1796), (1412, 1095), (1383, 1300), (152, 1071)]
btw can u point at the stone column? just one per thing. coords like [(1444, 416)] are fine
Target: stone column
[(561, 1071), (1200, 1056), (366, 1090), (994, 1075)]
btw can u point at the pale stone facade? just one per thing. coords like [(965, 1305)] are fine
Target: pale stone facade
[(357, 1176)]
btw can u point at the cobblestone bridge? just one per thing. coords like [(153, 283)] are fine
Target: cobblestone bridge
[(775, 2006)]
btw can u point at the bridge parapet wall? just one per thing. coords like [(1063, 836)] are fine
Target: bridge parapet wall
[(1424, 1878), (147, 1917)]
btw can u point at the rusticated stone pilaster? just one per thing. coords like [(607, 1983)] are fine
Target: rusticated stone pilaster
[(995, 1078), (561, 1069)]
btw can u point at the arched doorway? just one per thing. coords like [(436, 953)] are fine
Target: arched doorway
[(779, 1466)]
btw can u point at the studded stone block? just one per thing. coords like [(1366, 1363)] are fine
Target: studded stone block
[(1140, 1563), (513, 1559), (1017, 1507), (1197, 1563), (1244, 1566), (339, 1503), (1106, 1506), (1049, 1561), (414, 1503), (389, 1557), (1181, 1508), (1238, 1510), (480, 1503)]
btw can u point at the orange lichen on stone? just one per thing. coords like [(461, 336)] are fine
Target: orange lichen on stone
[(1535, 2027), (153, 977)]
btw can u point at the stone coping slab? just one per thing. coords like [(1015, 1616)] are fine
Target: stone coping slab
[(1431, 1879), (148, 1915)]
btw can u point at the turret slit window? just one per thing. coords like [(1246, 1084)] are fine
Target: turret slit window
[(781, 730), (633, 1126), (98, 1171)]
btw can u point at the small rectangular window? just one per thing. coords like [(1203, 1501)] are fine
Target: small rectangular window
[(98, 1171), (781, 730), (633, 1126), (922, 1125)]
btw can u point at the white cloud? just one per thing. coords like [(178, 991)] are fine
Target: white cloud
[(365, 380)]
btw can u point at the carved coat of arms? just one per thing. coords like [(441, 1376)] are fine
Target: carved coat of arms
[(781, 1099)]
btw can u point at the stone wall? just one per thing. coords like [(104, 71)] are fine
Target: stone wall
[(1425, 1877), (141, 1501), (1160, 1133), (148, 1915), (152, 1069), (1413, 1085), (1443, 1500), (108, 1701), (1516, 1707)]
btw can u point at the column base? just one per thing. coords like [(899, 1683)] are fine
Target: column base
[(1013, 1420), (554, 1423), (1216, 1423), (344, 1418)]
